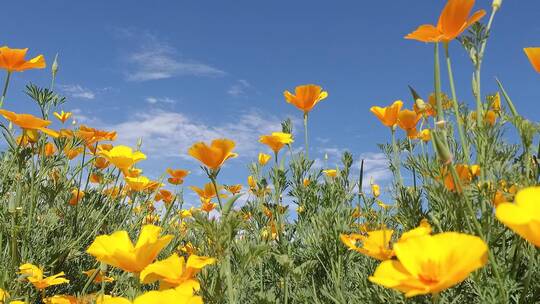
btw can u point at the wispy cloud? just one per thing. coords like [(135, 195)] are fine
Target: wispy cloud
[(170, 134), (155, 100), (77, 91), (239, 88), (156, 59)]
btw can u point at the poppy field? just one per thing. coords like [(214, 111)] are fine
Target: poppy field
[(81, 223)]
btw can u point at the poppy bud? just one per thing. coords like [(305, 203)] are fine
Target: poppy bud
[(54, 67), (496, 4), (441, 147)]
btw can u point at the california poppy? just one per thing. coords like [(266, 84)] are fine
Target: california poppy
[(430, 264), (123, 157), (388, 115), (276, 140), (13, 60), (215, 155), (454, 19), (177, 176), (117, 249), (305, 97), (29, 122), (523, 216), (533, 53), (376, 244)]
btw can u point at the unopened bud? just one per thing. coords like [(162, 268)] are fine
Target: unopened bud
[(441, 147), (440, 124), (496, 4), (420, 104), (54, 67), (139, 143)]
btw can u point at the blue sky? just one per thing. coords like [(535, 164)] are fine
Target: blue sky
[(179, 71)]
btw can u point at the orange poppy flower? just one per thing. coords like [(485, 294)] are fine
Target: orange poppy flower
[(454, 19), (76, 196), (49, 149), (177, 176), (164, 195), (388, 115), (533, 53), (207, 206), (29, 122), (234, 189), (306, 96), (407, 120), (215, 155), (208, 192), (276, 140), (91, 135), (13, 60)]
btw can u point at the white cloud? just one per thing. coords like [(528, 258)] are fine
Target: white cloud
[(155, 59), (239, 88), (154, 100), (77, 91), (170, 134)]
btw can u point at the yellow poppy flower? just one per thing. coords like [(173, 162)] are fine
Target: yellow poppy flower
[(62, 116), (264, 158), (388, 115), (122, 157), (179, 295), (407, 120), (215, 155), (118, 251), (490, 117), (62, 299), (251, 183), (330, 172), (454, 19), (423, 229), (495, 104), (305, 97), (177, 176), (533, 53), (138, 183), (29, 123), (276, 140), (13, 60), (35, 276), (523, 216), (376, 244), (3, 295), (424, 135), (375, 190), (106, 299), (430, 264), (174, 270)]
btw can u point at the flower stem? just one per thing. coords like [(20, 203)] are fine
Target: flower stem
[(437, 76), (459, 122), (213, 179), (306, 134), (4, 92), (396, 158)]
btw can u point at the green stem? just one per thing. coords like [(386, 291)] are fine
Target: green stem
[(437, 76), (435, 298), (306, 134), (396, 158), (459, 122), (213, 179), (4, 92)]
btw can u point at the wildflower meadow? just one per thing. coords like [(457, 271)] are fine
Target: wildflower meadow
[(459, 222)]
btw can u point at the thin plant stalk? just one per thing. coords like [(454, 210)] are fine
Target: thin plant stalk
[(459, 122), (4, 91), (396, 158), (306, 134)]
